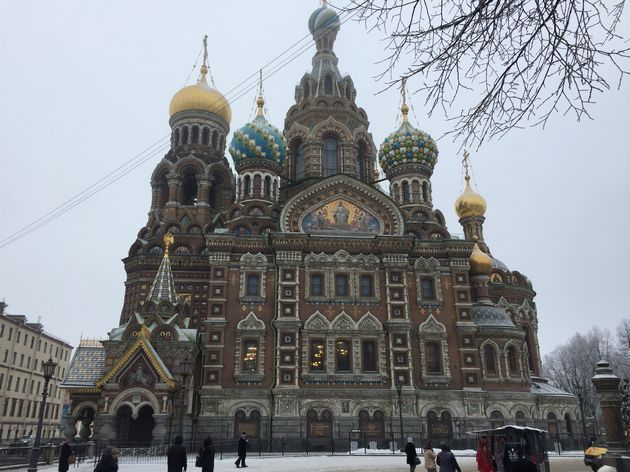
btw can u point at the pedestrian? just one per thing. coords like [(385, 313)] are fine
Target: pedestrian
[(205, 458), (176, 456), (484, 455), (412, 456), (429, 458), (242, 451), (108, 461), (446, 460), (66, 456)]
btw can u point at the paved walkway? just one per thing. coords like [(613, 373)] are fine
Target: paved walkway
[(324, 464)]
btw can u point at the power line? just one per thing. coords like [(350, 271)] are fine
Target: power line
[(130, 165)]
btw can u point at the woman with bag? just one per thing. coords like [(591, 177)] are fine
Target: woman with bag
[(205, 458), (412, 456), (109, 461), (429, 458), (66, 457)]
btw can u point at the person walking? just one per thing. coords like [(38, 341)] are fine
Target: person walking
[(446, 460), (206, 456), (108, 461), (429, 458), (65, 456), (412, 455), (176, 456), (242, 451)]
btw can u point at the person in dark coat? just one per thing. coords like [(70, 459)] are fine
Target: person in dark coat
[(176, 456), (206, 455), (108, 461), (410, 450), (523, 465), (242, 451), (446, 460), (64, 455)]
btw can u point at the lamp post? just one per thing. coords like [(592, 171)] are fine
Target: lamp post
[(399, 386), (49, 370), (184, 371)]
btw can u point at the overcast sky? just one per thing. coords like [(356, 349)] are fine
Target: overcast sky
[(85, 86)]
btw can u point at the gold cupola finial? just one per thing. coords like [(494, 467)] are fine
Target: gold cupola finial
[(169, 239), (260, 101), (480, 262), (404, 108), (469, 203)]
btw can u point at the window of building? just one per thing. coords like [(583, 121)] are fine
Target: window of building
[(25, 339), (6, 355), (434, 357), (17, 384), (428, 292), (267, 187), (253, 285), (250, 355), (512, 360), (343, 355), (14, 357), (317, 285), (19, 333), (21, 360), (520, 418), (205, 136), (369, 356), (406, 194), (330, 156), (248, 186), (10, 333), (497, 419), (569, 424), (490, 359), (341, 285), (328, 85), (367, 286), (318, 355)]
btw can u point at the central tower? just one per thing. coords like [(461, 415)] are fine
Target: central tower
[(326, 133)]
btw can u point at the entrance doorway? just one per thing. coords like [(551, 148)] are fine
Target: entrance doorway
[(137, 431)]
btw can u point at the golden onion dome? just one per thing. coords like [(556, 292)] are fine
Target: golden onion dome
[(201, 97), (480, 262), (470, 203)]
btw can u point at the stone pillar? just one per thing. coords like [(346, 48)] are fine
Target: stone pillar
[(607, 386), (160, 429), (70, 431), (203, 193), (173, 187)]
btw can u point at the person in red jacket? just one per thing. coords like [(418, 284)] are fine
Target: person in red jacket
[(484, 455)]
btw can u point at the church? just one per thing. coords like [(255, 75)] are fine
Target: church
[(286, 295)]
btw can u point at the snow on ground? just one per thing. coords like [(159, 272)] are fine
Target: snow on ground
[(346, 463)]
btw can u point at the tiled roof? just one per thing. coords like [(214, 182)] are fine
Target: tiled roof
[(86, 366), (163, 287), (542, 388), (491, 316)]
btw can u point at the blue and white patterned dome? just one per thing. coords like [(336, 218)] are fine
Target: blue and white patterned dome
[(258, 140), (407, 145), (324, 17)]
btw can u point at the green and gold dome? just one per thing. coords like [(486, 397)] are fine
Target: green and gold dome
[(407, 145)]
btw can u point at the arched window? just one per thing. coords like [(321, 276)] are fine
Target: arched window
[(185, 135), (195, 134), (428, 292), (530, 349), (415, 191), (250, 355), (369, 356), (367, 286), (341, 285), (189, 187), (552, 423), (205, 136), (396, 193), (215, 196), (253, 285), (362, 162), (267, 187), (215, 139), (163, 191), (343, 355), (520, 418), (434, 357), (490, 359), (496, 419), (330, 156), (569, 424), (257, 185), (425, 191), (175, 137), (328, 85), (298, 160), (318, 355), (406, 194), (247, 188), (512, 360)]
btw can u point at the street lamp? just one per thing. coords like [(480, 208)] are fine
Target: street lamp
[(184, 371), (399, 387), (49, 370)]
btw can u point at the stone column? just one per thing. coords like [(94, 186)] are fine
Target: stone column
[(160, 429), (607, 386), (173, 187), (203, 193)]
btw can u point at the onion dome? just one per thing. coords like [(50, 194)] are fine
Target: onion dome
[(324, 18), (408, 145), (201, 96), (480, 262), (470, 203), (258, 140)]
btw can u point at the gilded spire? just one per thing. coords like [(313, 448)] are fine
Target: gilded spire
[(204, 66), (469, 203), (260, 101), (466, 164)]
